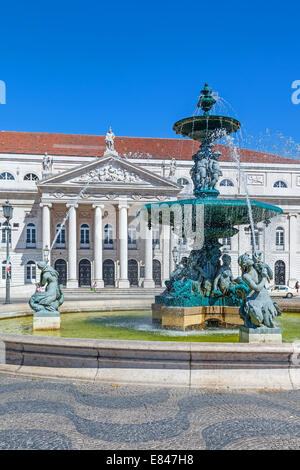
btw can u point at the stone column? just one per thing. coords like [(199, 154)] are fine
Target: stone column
[(46, 233), (147, 234), (165, 253), (123, 246), (72, 248), (98, 240), (293, 232)]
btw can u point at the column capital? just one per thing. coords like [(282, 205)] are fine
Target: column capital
[(123, 205), (101, 206), (72, 205), (46, 204)]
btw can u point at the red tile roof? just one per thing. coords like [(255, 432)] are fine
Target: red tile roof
[(94, 145)]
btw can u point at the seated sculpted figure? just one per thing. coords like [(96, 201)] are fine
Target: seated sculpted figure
[(257, 309), (224, 278), (47, 302), (180, 273), (224, 284), (260, 265)]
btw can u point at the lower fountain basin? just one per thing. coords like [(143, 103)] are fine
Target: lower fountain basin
[(137, 325)]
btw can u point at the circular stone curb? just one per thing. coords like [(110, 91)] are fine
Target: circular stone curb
[(228, 366)]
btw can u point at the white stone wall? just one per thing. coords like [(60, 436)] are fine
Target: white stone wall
[(261, 178)]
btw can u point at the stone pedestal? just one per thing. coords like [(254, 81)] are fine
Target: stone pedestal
[(46, 322), (260, 335), (182, 318), (123, 284), (148, 283)]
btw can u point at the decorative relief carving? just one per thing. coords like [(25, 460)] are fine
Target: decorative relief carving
[(58, 194), (255, 179), (109, 174)]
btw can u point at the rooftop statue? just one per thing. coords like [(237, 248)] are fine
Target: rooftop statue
[(46, 303), (47, 163), (109, 140)]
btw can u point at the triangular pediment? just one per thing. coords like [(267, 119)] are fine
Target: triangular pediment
[(109, 171)]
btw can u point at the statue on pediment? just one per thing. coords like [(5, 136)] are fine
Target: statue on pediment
[(110, 141), (47, 163)]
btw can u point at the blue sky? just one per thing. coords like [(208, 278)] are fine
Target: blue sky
[(78, 67)]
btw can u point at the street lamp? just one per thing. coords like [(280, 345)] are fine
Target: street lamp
[(8, 213), (175, 255), (46, 253)]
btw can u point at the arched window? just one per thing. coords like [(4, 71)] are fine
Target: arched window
[(132, 237), (61, 238), (279, 238), (280, 184), (31, 177), (4, 234), (4, 270), (226, 182), (84, 236), (30, 272), (6, 176), (108, 237), (30, 236), (185, 183)]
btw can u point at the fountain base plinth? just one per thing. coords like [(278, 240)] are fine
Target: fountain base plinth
[(41, 323), (182, 318), (260, 335)]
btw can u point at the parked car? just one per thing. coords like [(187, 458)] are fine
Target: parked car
[(282, 291)]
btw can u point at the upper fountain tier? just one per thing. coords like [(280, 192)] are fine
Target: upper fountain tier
[(206, 126)]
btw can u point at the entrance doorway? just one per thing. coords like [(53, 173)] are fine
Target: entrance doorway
[(280, 273), (61, 267), (157, 273), (84, 273), (109, 273), (133, 272)]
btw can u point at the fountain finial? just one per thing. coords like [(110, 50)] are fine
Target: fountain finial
[(206, 100)]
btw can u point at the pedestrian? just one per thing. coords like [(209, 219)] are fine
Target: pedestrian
[(297, 286)]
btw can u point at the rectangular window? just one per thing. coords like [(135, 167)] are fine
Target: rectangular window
[(226, 242), (155, 238), (3, 239), (280, 240)]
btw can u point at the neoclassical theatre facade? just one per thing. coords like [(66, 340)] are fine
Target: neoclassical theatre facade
[(46, 175)]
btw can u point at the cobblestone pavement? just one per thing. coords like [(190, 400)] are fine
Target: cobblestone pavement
[(38, 414)]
